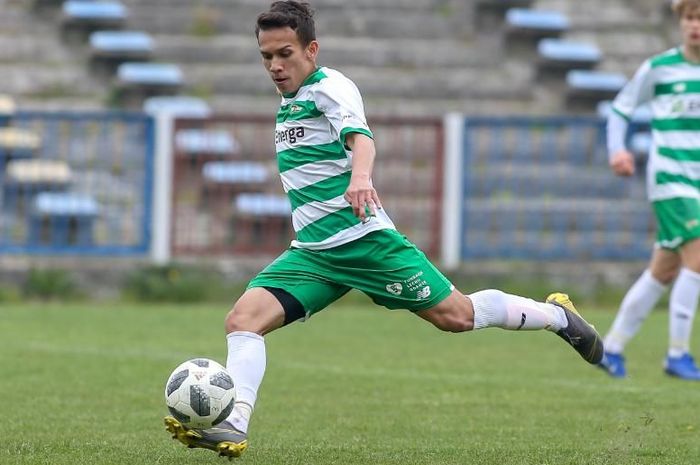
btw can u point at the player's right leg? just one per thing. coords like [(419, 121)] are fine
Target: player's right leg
[(636, 306)]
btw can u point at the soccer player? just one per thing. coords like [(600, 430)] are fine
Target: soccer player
[(670, 83), (344, 238)]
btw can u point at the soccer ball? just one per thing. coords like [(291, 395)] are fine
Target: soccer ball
[(200, 393)]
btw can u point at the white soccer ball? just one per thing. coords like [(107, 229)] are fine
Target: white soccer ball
[(200, 393)]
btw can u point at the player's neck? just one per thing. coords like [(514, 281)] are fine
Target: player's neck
[(691, 53)]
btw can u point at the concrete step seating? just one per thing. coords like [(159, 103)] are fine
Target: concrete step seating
[(593, 86), (558, 56), (179, 105), (206, 142), (18, 143), (531, 23), (82, 17), (62, 219), (108, 49), (137, 81), (376, 81)]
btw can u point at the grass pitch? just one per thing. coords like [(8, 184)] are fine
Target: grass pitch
[(83, 384)]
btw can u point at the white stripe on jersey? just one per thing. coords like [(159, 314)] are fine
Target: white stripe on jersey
[(311, 173), (381, 221), (314, 211), (679, 140), (672, 191)]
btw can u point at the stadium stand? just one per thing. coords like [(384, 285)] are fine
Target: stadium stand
[(558, 56), (61, 219), (445, 55), (138, 81), (180, 105), (82, 17), (210, 143), (590, 87), (24, 179), (535, 24), (17, 143), (109, 49)]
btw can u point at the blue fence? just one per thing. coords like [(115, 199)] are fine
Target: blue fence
[(541, 189), (76, 183)]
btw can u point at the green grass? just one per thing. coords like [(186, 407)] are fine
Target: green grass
[(83, 384)]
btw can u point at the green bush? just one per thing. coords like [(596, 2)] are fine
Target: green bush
[(172, 283), (50, 284)]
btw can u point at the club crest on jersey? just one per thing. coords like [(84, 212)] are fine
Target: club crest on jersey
[(394, 288)]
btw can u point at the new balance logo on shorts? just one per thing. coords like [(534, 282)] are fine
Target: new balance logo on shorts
[(423, 293)]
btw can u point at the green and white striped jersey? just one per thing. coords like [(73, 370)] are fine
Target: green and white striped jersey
[(671, 85), (315, 164)]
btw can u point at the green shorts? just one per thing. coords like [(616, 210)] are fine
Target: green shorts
[(678, 221), (383, 264)]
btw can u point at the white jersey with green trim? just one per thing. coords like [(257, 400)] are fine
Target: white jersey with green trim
[(671, 85), (315, 164)]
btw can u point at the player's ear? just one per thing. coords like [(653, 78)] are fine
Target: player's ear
[(312, 50)]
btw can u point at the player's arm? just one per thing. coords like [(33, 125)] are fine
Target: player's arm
[(360, 192), (635, 93), (620, 159)]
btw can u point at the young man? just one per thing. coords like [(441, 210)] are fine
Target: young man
[(670, 83), (344, 239)]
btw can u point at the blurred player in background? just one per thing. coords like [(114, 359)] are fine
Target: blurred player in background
[(670, 83), (344, 239)]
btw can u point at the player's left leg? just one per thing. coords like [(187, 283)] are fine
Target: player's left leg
[(683, 303), (494, 308), (678, 220)]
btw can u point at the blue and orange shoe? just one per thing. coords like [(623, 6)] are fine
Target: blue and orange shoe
[(682, 367), (613, 364), (579, 334), (223, 438)]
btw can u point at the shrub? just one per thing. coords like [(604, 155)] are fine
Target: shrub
[(171, 283), (50, 284)]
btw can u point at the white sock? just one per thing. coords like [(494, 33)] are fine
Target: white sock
[(684, 301), (496, 308), (634, 309), (246, 364)]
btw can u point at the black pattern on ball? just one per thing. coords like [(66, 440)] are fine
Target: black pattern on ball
[(224, 413), (176, 381), (222, 380), (179, 415), (199, 401), (200, 362)]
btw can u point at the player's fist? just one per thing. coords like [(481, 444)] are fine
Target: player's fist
[(622, 163)]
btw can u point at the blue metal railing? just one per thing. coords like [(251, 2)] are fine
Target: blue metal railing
[(85, 189), (540, 188)]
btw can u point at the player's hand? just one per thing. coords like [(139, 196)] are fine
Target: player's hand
[(363, 198), (622, 163)]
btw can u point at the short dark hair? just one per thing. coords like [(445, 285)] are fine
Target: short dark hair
[(289, 13)]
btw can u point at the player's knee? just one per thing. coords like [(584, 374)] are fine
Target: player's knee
[(665, 277), (455, 322), (240, 318)]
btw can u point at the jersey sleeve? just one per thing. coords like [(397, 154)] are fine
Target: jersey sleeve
[(636, 92), (341, 103)]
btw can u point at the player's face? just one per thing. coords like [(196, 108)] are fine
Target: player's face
[(285, 59), (690, 27)]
